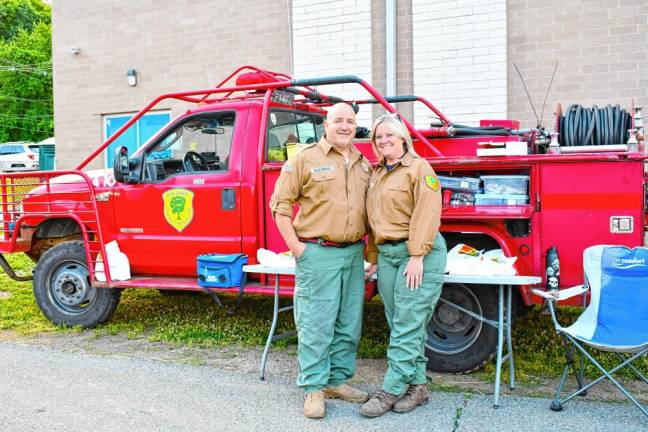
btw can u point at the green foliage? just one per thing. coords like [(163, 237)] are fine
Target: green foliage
[(18, 310), (17, 15), (25, 71)]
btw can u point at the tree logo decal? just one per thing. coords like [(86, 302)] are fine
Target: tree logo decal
[(178, 208)]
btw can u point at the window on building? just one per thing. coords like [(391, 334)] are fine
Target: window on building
[(136, 135), (286, 128)]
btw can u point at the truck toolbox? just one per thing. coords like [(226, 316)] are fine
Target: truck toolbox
[(500, 199), (461, 184), (506, 184)]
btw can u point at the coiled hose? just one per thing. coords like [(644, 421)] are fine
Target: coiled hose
[(594, 126), (462, 130)]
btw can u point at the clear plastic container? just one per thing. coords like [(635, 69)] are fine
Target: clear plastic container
[(506, 184), (501, 199), (461, 184)]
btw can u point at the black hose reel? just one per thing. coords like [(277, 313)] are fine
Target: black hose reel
[(580, 126)]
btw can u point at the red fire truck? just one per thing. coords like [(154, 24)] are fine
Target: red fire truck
[(202, 185)]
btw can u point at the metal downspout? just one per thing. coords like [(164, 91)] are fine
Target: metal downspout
[(390, 48)]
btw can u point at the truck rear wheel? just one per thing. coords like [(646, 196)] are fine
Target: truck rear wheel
[(457, 342), (63, 291)]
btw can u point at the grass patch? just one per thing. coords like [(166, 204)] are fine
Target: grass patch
[(18, 311), (194, 320)]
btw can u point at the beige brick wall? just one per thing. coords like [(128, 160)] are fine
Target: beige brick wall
[(601, 47), (173, 45)]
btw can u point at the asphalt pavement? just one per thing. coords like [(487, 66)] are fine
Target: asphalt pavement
[(42, 389)]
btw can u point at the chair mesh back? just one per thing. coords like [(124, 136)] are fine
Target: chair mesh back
[(619, 290)]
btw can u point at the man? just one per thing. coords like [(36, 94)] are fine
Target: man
[(329, 181)]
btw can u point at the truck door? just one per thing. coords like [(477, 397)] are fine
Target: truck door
[(188, 199)]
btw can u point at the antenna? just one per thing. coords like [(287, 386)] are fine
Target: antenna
[(527, 93), (547, 94)]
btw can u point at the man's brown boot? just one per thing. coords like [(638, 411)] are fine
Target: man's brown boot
[(416, 395), (314, 405), (379, 404), (347, 393)]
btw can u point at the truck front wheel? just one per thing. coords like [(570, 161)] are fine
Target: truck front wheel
[(63, 291), (457, 342)]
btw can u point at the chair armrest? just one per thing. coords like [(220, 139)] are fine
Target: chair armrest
[(561, 295)]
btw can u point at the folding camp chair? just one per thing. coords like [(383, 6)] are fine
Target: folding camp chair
[(616, 319)]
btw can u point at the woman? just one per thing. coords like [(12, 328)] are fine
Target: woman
[(404, 211)]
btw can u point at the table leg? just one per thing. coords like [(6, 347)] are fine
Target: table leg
[(509, 339), (275, 316), (500, 343)]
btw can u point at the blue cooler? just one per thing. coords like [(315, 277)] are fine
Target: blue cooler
[(221, 270)]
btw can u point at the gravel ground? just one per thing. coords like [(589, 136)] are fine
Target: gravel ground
[(283, 363), (48, 385)]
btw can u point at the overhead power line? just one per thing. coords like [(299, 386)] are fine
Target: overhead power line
[(18, 117), (44, 101), (27, 129)]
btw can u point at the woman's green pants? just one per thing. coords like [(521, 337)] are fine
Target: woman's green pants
[(408, 312)]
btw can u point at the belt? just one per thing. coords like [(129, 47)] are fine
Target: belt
[(326, 242), (394, 242)]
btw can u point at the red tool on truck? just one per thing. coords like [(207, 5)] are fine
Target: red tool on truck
[(202, 185)]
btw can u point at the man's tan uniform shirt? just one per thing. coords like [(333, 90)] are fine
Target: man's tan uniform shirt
[(404, 204), (331, 193)]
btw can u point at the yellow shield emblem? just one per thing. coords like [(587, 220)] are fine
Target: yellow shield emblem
[(432, 182), (178, 208)]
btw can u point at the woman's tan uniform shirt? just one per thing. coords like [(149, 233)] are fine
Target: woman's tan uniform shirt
[(404, 204), (331, 196)]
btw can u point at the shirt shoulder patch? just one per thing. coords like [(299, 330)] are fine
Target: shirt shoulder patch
[(287, 168), (432, 182)]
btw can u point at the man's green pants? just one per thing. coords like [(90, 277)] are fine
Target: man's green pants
[(408, 312), (329, 294)]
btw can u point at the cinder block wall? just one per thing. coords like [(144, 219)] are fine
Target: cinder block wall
[(333, 37), (173, 46), (460, 58), (601, 47)]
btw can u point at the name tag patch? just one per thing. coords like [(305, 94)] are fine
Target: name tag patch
[(323, 169)]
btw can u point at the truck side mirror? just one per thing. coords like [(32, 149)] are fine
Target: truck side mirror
[(121, 167)]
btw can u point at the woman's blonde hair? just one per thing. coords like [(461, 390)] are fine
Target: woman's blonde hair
[(397, 127)]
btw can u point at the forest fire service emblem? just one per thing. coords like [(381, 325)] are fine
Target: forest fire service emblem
[(178, 208)]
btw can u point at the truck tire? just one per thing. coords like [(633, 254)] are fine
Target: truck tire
[(457, 342), (63, 292)]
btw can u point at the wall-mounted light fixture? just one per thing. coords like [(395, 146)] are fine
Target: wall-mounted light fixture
[(74, 50), (131, 77)]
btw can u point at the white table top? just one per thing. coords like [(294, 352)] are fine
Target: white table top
[(260, 268), (493, 279), (487, 280)]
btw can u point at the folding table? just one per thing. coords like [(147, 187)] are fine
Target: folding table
[(503, 323)]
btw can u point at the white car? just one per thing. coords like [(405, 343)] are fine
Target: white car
[(18, 156)]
